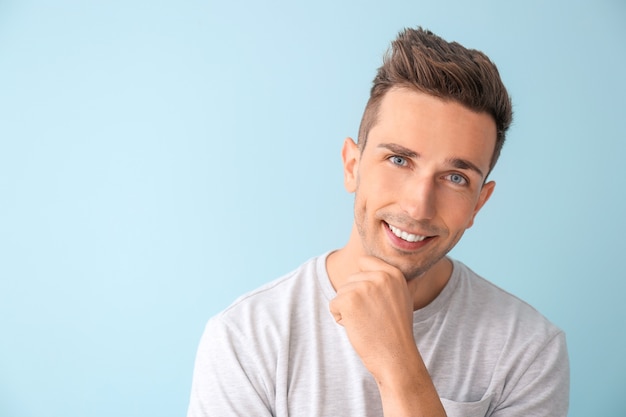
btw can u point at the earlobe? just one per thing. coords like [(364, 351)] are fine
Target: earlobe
[(350, 156), (485, 193)]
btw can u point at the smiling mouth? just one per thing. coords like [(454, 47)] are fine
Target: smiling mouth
[(409, 237)]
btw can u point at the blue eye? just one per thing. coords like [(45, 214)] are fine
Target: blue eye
[(398, 160), (457, 179)]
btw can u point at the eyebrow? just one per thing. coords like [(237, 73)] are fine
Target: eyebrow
[(458, 163), (400, 150), (465, 164)]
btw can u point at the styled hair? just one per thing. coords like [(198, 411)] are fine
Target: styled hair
[(421, 60)]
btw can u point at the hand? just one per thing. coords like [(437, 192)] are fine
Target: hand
[(376, 309), (375, 306)]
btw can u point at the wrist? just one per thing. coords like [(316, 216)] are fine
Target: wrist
[(406, 389)]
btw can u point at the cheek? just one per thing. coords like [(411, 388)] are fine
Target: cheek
[(369, 194), (378, 184), (458, 214)]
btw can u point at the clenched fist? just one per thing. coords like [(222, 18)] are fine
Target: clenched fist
[(375, 306), (376, 309)]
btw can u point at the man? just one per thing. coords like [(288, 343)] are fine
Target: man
[(388, 325)]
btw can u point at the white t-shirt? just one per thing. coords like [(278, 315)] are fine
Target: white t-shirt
[(277, 351)]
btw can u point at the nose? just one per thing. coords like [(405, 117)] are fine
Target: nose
[(419, 199)]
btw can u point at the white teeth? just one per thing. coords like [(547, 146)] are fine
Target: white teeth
[(406, 236)]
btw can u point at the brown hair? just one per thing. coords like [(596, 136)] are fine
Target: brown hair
[(421, 60)]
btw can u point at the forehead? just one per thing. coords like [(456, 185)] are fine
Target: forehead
[(431, 126)]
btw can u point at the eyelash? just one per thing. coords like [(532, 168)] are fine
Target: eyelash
[(465, 181), (394, 160), (402, 162)]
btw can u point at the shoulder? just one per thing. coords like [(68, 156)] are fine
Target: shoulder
[(260, 326), (500, 315), (274, 302)]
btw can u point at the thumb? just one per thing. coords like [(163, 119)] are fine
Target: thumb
[(334, 310)]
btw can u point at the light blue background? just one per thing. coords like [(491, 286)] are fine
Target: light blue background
[(159, 158)]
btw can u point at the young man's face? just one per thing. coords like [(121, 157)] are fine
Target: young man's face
[(419, 181)]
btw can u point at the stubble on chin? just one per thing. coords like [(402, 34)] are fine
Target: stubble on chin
[(413, 271), (372, 240), (402, 260)]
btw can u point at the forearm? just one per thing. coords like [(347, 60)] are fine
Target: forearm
[(406, 390)]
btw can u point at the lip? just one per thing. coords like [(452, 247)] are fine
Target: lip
[(403, 244)]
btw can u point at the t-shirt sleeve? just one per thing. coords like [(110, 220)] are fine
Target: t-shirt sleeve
[(223, 383), (542, 390)]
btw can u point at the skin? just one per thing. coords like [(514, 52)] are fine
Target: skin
[(423, 170)]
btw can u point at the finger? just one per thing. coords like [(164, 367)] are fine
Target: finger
[(372, 263), (334, 310)]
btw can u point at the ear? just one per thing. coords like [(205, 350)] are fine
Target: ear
[(350, 155), (485, 193)]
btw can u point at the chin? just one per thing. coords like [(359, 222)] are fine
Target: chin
[(414, 272), (414, 268), (410, 270)]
